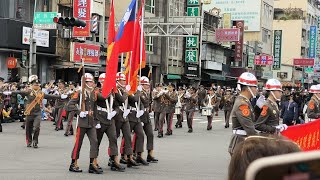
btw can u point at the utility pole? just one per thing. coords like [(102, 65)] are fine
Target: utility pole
[(201, 38), (33, 45)]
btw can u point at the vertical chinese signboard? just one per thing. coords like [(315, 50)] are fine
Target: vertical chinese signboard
[(239, 44), (251, 60), (318, 37), (313, 41), (81, 10), (277, 50)]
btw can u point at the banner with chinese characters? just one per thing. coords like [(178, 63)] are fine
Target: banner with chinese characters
[(277, 50), (90, 53), (81, 10), (318, 37), (239, 44), (227, 35), (313, 41), (305, 135)]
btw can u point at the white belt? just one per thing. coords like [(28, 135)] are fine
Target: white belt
[(102, 109), (240, 132)]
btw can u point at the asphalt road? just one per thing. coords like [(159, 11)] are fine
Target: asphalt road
[(198, 155)]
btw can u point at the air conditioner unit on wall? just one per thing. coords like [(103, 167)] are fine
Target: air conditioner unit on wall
[(282, 75)]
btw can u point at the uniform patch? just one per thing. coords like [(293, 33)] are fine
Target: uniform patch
[(245, 110), (311, 105), (264, 110)]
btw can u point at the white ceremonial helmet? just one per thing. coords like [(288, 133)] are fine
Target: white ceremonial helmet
[(247, 79), (88, 77), (102, 77), (314, 89), (144, 80), (273, 85), (33, 78), (120, 76)]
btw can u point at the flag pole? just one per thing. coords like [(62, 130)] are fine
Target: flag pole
[(141, 48)]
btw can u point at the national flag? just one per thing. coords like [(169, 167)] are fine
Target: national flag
[(126, 30), (112, 57), (138, 54), (305, 135)]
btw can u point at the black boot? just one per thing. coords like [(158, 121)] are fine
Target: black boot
[(190, 130), (35, 145), (23, 126), (74, 168), (29, 144), (122, 160), (131, 163), (140, 160), (57, 129), (0, 128), (116, 167), (176, 125), (71, 133), (152, 159), (160, 135), (94, 169), (209, 128)]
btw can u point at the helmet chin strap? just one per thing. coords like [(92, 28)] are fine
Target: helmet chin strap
[(253, 96), (89, 87), (274, 96)]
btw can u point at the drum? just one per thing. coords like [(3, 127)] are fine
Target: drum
[(206, 111), (177, 110)]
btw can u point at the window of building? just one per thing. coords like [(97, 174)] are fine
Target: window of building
[(175, 47), (150, 6), (149, 44), (176, 8)]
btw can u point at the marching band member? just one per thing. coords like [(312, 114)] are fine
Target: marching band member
[(190, 107), (313, 110), (268, 121), (227, 101), (145, 118), (105, 116), (60, 104), (242, 114), (121, 119), (181, 104), (71, 109), (210, 101), (157, 105), (168, 99), (87, 124)]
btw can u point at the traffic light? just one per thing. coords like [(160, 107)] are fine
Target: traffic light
[(69, 22)]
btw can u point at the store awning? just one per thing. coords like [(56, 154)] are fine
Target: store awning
[(216, 76), (173, 76)]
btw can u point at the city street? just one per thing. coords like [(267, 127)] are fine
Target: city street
[(199, 155)]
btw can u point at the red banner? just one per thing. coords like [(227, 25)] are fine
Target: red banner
[(303, 62), (239, 44), (90, 53), (227, 35), (81, 10), (305, 135), (263, 60), (11, 62)]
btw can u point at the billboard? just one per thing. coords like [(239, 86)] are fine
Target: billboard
[(250, 14), (227, 35), (263, 60), (89, 52), (303, 62), (81, 10)]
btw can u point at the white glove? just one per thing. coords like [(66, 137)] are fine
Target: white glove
[(7, 93), (64, 96), (139, 113), (83, 114), (126, 113), (261, 101), (111, 115), (128, 87), (98, 126), (285, 126), (280, 127), (139, 88), (142, 124)]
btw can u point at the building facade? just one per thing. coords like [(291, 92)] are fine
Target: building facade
[(295, 18)]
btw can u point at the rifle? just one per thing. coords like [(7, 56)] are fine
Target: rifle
[(82, 97)]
